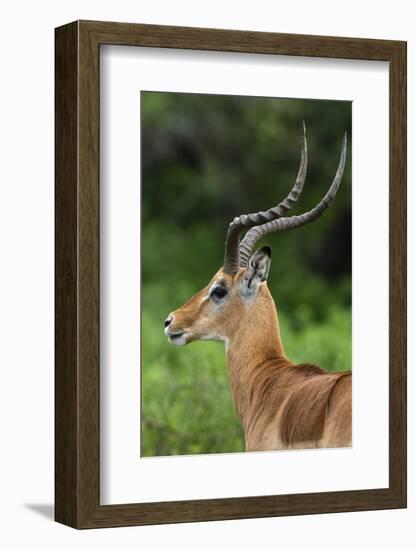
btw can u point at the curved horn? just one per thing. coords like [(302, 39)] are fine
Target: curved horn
[(246, 221), (256, 233)]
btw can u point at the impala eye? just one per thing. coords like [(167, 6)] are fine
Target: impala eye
[(218, 292)]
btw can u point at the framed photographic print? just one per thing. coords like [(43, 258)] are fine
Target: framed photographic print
[(230, 274)]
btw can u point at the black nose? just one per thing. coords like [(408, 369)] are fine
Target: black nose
[(167, 321)]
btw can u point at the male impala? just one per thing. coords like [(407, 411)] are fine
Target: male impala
[(281, 405)]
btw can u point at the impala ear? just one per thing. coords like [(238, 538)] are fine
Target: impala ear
[(258, 268)]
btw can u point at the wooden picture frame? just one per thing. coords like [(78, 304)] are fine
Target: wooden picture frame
[(77, 373)]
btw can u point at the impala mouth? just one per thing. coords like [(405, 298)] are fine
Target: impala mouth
[(177, 338)]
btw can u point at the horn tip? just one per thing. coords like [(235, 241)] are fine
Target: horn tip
[(344, 144)]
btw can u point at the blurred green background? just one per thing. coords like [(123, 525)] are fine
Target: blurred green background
[(206, 159)]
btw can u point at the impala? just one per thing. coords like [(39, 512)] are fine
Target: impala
[(281, 405)]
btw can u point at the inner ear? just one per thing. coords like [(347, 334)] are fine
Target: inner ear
[(258, 268)]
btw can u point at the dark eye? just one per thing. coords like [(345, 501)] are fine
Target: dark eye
[(218, 292)]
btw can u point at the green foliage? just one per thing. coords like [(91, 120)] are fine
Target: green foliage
[(206, 159)]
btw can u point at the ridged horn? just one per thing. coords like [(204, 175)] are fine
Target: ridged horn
[(248, 243), (232, 259)]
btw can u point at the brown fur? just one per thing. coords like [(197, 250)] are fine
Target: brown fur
[(281, 405), (292, 407)]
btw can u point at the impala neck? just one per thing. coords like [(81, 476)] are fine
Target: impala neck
[(255, 343)]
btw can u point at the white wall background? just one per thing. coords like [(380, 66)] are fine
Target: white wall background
[(26, 273)]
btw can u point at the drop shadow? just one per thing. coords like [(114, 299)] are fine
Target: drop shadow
[(45, 510)]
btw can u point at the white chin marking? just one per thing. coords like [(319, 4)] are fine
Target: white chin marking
[(213, 337), (178, 340)]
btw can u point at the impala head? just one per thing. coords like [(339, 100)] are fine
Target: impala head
[(239, 287)]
